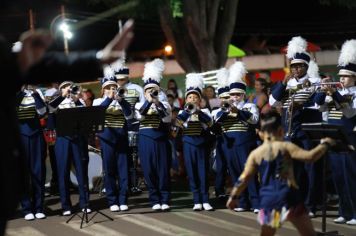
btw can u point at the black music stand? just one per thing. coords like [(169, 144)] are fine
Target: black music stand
[(317, 131), (81, 121)]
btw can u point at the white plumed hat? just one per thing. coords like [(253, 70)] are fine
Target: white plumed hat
[(223, 82), (237, 72), (152, 74), (194, 84), (297, 51), (347, 58)]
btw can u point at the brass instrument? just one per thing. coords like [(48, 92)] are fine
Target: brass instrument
[(75, 89), (191, 108), (154, 93), (121, 92), (226, 106)]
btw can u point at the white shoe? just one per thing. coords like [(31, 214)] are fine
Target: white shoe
[(311, 214), (340, 220), (239, 209), (124, 208), (40, 215), (351, 222), (256, 211), (207, 207), (114, 208), (67, 213), (29, 216), (165, 207), (156, 207), (88, 210), (197, 207)]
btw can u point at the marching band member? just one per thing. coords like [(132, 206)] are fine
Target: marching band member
[(221, 164), (155, 117), (194, 122), (71, 149), (113, 140), (29, 109), (238, 123), (300, 112), (134, 95), (341, 107), (280, 196)]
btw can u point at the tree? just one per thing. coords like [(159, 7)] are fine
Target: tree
[(198, 30)]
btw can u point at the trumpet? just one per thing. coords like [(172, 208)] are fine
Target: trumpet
[(154, 93), (191, 108), (121, 92), (74, 89), (226, 106)]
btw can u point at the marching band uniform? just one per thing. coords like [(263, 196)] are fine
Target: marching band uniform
[(134, 95), (341, 107), (155, 117), (239, 135), (220, 158), (307, 112), (194, 124), (29, 109), (113, 143), (67, 149)]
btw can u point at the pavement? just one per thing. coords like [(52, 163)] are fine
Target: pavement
[(143, 221)]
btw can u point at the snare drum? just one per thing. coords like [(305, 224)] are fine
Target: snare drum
[(132, 138), (95, 168)]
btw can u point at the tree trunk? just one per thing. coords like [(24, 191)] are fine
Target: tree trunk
[(200, 40)]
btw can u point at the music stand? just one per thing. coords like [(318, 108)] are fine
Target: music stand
[(81, 121), (317, 131)]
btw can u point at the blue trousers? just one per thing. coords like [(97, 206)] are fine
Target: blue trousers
[(155, 162), (236, 158), (343, 169), (221, 169), (196, 164), (34, 153), (115, 167), (75, 150)]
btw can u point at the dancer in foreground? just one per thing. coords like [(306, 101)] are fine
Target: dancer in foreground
[(280, 198)]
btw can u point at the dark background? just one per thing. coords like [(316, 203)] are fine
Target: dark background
[(261, 26)]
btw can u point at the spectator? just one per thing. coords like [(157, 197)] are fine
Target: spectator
[(172, 85), (260, 97)]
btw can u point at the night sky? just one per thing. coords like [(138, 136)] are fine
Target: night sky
[(257, 21)]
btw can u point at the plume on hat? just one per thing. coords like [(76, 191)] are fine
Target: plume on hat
[(296, 45), (108, 72), (313, 70), (153, 70), (348, 53), (194, 80), (119, 64), (237, 72), (222, 76)]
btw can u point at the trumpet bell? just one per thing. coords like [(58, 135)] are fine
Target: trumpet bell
[(190, 108), (122, 92)]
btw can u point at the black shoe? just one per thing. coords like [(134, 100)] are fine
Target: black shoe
[(136, 190)]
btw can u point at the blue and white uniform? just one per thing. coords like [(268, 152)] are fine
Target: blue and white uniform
[(30, 108), (238, 140), (154, 150), (114, 146), (70, 149)]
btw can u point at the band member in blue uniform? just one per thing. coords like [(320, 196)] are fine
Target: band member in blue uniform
[(280, 197), (238, 120), (300, 108), (341, 108), (113, 141), (133, 96), (194, 122), (70, 149), (155, 117), (30, 108), (220, 158)]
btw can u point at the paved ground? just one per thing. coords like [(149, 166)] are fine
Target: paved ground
[(142, 221)]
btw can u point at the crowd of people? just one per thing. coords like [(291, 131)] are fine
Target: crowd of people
[(166, 130)]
